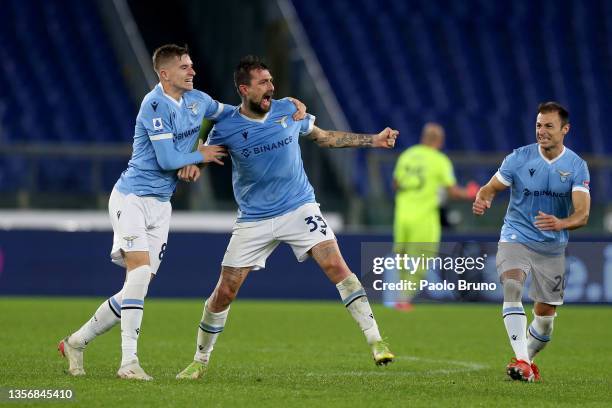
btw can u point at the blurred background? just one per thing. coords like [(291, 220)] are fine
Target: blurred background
[(73, 73)]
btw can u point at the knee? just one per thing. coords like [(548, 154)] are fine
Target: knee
[(544, 309), (512, 290)]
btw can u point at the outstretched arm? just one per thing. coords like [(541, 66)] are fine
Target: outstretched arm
[(334, 139), (456, 192)]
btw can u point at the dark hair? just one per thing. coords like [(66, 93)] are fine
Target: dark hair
[(548, 107), (242, 73), (166, 52)]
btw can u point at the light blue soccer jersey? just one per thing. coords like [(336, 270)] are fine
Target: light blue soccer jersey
[(267, 171), (166, 131), (539, 184)]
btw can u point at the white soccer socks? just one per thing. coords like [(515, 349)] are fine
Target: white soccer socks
[(211, 325), (104, 319), (354, 298), (132, 306), (516, 324), (539, 333)]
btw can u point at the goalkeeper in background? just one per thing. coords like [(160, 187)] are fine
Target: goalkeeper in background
[(420, 173)]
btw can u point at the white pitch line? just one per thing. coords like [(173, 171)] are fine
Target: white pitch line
[(464, 366), (460, 366)]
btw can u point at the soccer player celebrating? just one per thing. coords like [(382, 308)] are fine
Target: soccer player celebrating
[(167, 127), (277, 204), (546, 179), (420, 172)]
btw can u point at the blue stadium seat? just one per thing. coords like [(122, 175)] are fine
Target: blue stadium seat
[(478, 67), (60, 84), (63, 53)]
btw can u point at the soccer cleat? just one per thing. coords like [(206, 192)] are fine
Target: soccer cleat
[(520, 370), (194, 371), (133, 371), (403, 306), (536, 372), (74, 355), (382, 354)]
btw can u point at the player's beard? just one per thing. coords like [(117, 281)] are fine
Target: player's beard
[(257, 108)]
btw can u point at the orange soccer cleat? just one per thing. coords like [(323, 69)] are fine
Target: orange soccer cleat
[(520, 370), (536, 372)]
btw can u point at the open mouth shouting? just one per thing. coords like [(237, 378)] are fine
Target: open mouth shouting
[(266, 101)]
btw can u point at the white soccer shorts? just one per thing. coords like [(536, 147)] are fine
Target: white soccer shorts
[(139, 224), (253, 242)]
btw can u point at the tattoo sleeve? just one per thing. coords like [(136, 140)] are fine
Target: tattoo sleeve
[(334, 139)]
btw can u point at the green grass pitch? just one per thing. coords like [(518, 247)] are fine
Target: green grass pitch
[(285, 354)]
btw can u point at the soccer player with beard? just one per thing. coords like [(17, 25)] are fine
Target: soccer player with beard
[(167, 127), (277, 204), (546, 180)]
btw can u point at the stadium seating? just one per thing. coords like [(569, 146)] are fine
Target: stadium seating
[(60, 84), (60, 75), (479, 67)]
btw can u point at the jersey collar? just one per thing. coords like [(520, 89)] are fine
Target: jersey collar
[(553, 160), (262, 120), (178, 103)]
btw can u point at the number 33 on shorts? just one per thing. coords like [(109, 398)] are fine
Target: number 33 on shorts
[(316, 222)]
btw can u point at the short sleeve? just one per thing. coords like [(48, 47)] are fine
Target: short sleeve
[(155, 117), (505, 174), (307, 124), (447, 176), (214, 137), (399, 170), (582, 178), (212, 109)]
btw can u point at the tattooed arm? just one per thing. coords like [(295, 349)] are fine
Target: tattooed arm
[(335, 139)]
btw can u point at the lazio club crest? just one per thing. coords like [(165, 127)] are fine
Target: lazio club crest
[(564, 175), (193, 108), (282, 121), (130, 240)]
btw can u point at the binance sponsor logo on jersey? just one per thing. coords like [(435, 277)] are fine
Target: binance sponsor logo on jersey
[(187, 133), (549, 193), (268, 147)]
